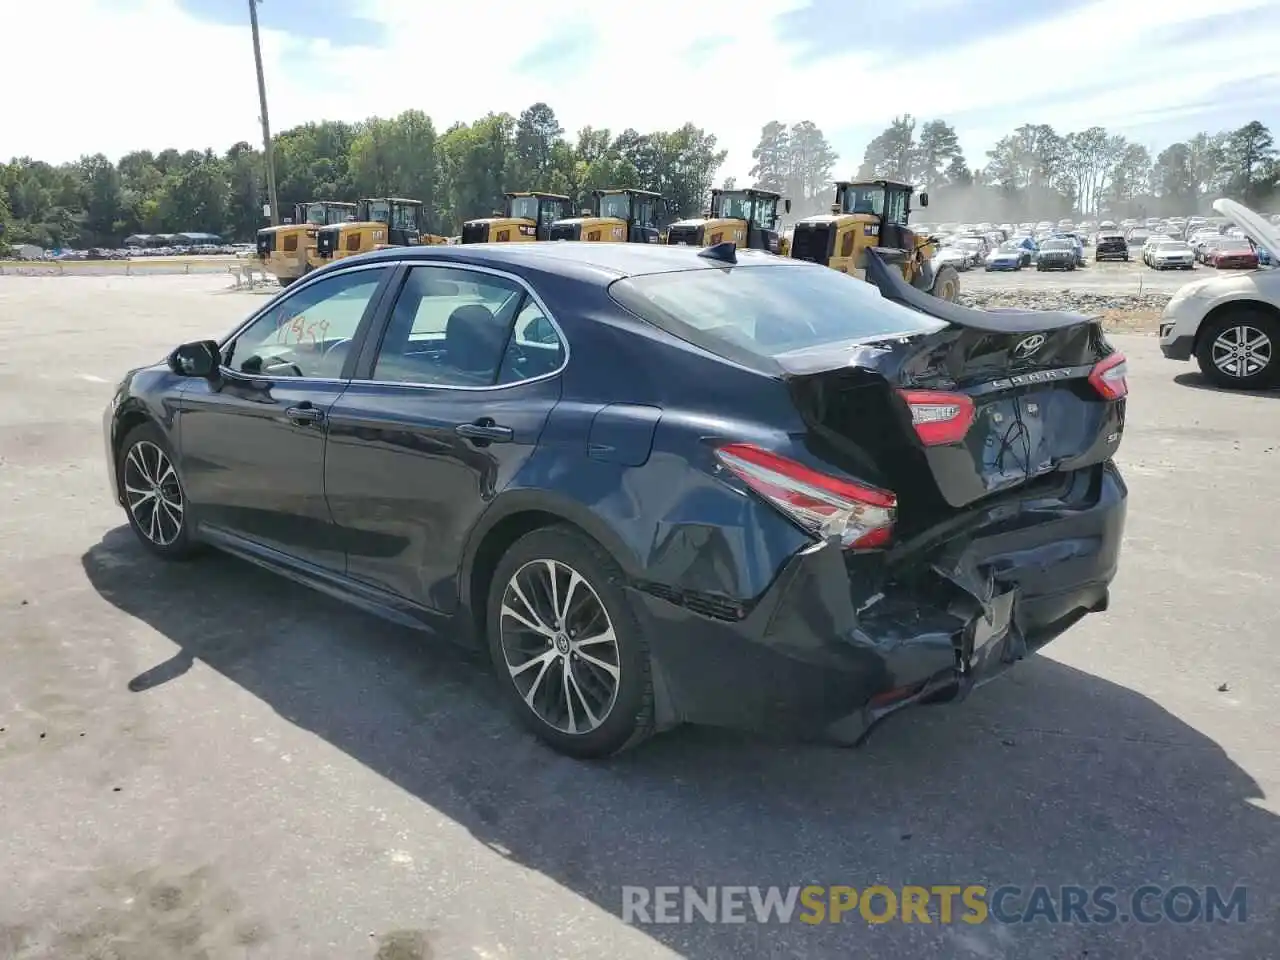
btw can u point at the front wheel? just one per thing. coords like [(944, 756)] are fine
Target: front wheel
[(153, 494), (946, 284), (568, 651), (1237, 350)]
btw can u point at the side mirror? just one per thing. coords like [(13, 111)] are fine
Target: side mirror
[(200, 358), (924, 200), (786, 205)]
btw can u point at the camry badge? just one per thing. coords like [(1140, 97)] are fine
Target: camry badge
[(1027, 347)]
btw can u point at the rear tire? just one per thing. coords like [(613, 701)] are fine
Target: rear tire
[(554, 595), (1237, 350)]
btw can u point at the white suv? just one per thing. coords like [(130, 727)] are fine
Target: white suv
[(1231, 324)]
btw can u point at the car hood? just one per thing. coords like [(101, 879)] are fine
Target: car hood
[(1255, 227), (1254, 285)]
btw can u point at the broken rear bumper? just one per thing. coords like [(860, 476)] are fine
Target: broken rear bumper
[(838, 642)]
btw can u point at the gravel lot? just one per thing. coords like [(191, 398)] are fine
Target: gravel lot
[(207, 761)]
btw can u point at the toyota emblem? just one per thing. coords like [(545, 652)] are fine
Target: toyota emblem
[(1028, 346)]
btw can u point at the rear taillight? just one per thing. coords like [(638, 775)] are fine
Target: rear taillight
[(1108, 377), (939, 417), (860, 516)]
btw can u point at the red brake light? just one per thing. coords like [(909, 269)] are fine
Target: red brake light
[(860, 516), (1108, 377), (939, 417)]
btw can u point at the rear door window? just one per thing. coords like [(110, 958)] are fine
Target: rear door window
[(748, 313)]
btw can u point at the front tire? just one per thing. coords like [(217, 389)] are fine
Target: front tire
[(1237, 351), (154, 497), (568, 651), (946, 284)]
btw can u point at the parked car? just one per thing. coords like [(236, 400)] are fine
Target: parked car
[(1205, 245), (1230, 323), (1136, 237), (954, 256), (1232, 254), (1171, 255), (1076, 243), (1007, 256), (975, 248), (1057, 254), (1150, 244), (452, 439), (1110, 245)]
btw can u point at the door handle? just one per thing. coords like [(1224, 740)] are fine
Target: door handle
[(485, 430), (304, 414)]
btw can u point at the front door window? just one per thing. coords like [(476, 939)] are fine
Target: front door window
[(308, 333)]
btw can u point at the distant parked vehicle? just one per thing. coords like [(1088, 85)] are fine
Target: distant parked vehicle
[(1077, 242), (1232, 254), (1110, 245), (1151, 243), (1171, 255), (1206, 246), (1007, 256), (953, 256), (1057, 254)]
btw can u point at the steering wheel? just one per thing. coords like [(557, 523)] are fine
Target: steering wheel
[(345, 341)]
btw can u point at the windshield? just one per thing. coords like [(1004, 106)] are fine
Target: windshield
[(316, 214), (748, 314), (740, 205), (970, 244), (524, 208), (1010, 247), (1230, 244), (765, 212), (1058, 245), (617, 205), (864, 200), (404, 217), (1174, 247), (380, 211)]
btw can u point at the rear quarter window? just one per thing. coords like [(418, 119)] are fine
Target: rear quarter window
[(752, 314)]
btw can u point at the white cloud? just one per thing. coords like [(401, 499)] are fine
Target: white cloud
[(118, 75)]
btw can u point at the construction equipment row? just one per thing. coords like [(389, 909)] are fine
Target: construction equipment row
[(865, 214)]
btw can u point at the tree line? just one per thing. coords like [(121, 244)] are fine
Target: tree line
[(462, 173), (1036, 171), (459, 173)]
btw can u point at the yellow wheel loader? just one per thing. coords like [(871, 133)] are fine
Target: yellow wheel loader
[(527, 217), (381, 222), (748, 218), (874, 213), (288, 251), (619, 215)]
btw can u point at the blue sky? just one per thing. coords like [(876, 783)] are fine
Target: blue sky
[(1155, 70)]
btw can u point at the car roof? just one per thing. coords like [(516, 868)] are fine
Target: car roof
[(601, 261)]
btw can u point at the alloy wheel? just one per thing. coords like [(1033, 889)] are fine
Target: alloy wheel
[(559, 646), (153, 493), (1242, 351)]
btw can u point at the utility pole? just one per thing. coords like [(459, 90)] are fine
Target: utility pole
[(268, 154)]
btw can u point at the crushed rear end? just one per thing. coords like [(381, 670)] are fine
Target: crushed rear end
[(964, 509)]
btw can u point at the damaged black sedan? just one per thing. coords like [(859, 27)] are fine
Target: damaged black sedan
[(658, 485)]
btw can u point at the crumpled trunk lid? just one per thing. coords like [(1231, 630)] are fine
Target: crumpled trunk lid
[(1026, 374)]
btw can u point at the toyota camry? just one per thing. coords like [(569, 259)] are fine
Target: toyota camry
[(659, 485)]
